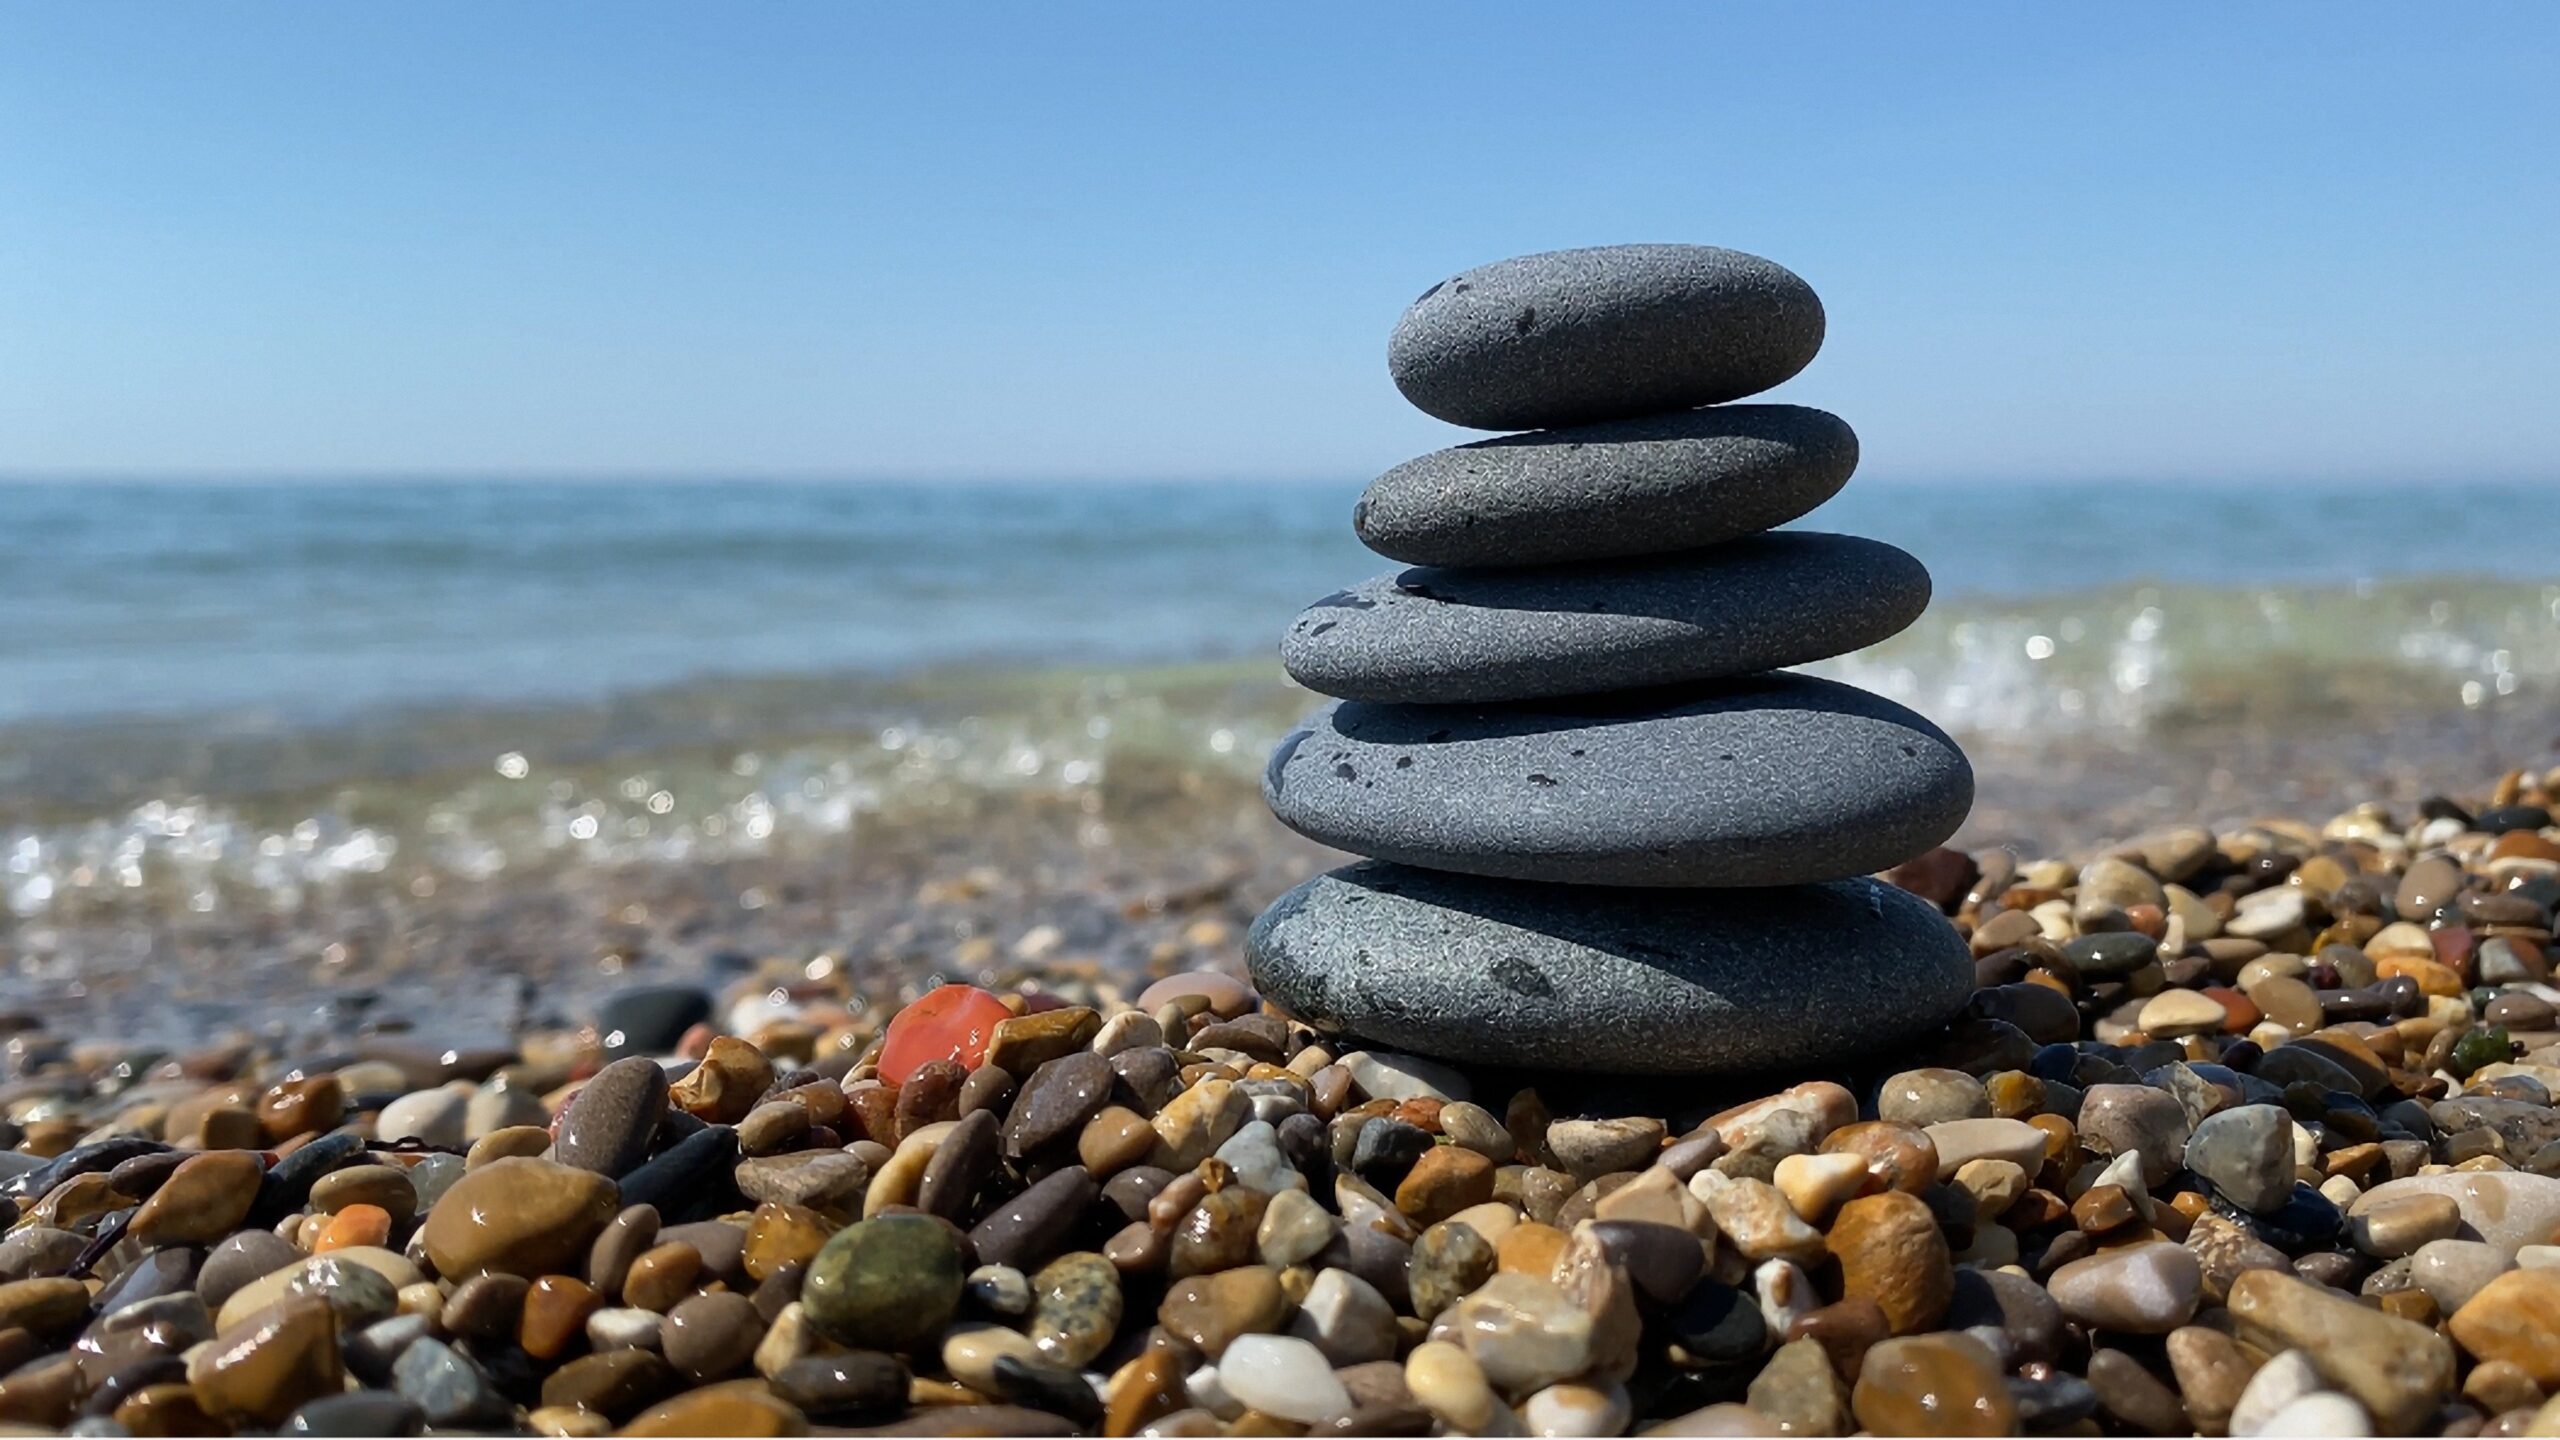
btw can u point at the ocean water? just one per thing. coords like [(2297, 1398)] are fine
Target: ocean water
[(217, 690)]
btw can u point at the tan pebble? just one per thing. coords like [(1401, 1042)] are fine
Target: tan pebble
[(735, 1407), (2515, 1318), (503, 1143), (1493, 1219), (1529, 1248), (1114, 1140), (731, 1077), (520, 1215), (1816, 1185), (1945, 1384), (970, 1352), (201, 1202), (386, 1187), (1446, 1381), (1995, 1185), (662, 1276), (897, 1181), (269, 1364)]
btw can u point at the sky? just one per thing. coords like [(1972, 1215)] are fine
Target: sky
[(2193, 242)]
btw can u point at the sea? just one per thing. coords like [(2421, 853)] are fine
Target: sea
[(239, 693)]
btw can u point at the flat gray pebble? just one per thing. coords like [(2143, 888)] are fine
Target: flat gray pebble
[(1645, 486), (1569, 337), (1433, 636), (1775, 780), (1630, 982)]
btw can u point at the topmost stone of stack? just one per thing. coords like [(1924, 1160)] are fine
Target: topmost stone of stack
[(1571, 337)]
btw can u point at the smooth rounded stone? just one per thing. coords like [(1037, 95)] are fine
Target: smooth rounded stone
[(1890, 1250), (1448, 1261), (710, 1336), (749, 1407), (2283, 1379), (1927, 1096), (2395, 1368), (2323, 1413), (1283, 1376), (1932, 1385), (2402, 1225), (2246, 1155), (519, 1216), (1032, 1226), (1207, 1312), (1660, 982), (357, 1294), (2139, 1290), (1591, 1148), (2515, 1318), (1961, 1142), (1521, 1330), (2507, 1208), (1642, 486), (204, 1199), (844, 1385), (270, 1364), (2127, 1390), (358, 1412), (607, 1127), (1075, 1307), (1294, 1229), (431, 1117), (1431, 636), (1057, 1100), (1253, 1152), (1570, 337), (2451, 1272), (1715, 1325), (888, 1283), (1800, 1390), (35, 1250), (1702, 785)]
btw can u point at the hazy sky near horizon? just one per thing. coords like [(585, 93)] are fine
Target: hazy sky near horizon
[(2181, 241)]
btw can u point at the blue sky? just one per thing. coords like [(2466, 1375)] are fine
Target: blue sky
[(2056, 241)]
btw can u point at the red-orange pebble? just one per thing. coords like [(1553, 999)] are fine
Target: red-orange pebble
[(953, 1022)]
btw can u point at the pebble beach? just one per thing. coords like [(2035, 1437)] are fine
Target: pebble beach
[(2243, 1130)]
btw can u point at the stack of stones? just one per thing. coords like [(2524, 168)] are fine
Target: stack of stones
[(1610, 833)]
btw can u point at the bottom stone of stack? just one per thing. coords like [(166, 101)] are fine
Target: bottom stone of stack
[(1617, 981)]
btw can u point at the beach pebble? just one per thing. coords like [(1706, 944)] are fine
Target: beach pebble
[(1435, 637), (1941, 1384), (608, 1127), (1569, 337), (2140, 1290), (890, 1283), (2245, 1154), (520, 1216), (1723, 984), (1648, 485), (1283, 1376), (1581, 794), (431, 1117)]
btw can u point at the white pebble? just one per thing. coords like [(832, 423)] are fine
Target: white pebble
[(2326, 1413), (1577, 1410), (1283, 1376), (2278, 1383)]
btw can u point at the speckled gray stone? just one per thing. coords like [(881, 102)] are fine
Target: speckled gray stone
[(1774, 780), (1645, 486), (1436, 636), (1618, 981), (1575, 336)]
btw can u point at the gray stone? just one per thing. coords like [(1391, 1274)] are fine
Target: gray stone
[(1434, 637), (1645, 486), (1621, 981), (2246, 1155), (1569, 337), (1774, 780), (608, 1125)]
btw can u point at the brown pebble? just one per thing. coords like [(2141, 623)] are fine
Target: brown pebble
[(486, 1307), (1900, 1157), (739, 1407), (728, 1081), (386, 1187), (301, 1107), (1209, 1311), (1890, 1250), (201, 1202), (555, 1315), (520, 1215), (617, 1384), (501, 1144), (1446, 1180), (1946, 1384), (662, 1277), (780, 1235), (270, 1363)]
